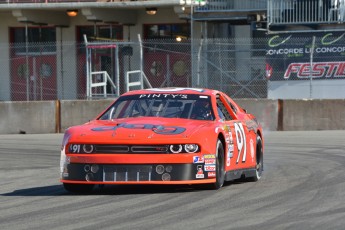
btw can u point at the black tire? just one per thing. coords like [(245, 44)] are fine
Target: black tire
[(220, 173), (259, 160), (78, 188)]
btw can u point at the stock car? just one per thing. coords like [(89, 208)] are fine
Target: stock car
[(164, 136)]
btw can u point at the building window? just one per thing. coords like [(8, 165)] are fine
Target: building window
[(100, 33), (166, 31), (39, 40), (105, 33)]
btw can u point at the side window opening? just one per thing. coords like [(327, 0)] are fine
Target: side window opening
[(231, 105), (222, 111), (221, 114)]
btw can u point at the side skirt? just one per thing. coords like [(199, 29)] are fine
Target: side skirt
[(237, 174)]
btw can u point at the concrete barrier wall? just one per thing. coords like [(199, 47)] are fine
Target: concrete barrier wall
[(27, 117), (266, 111), (313, 115), (79, 112), (56, 116)]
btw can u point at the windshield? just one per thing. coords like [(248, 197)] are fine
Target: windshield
[(188, 106)]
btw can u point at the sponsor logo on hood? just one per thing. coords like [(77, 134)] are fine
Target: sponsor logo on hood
[(158, 129)]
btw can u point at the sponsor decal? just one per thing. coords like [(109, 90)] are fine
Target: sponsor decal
[(228, 161), (318, 70), (210, 168), (252, 149), (277, 41), (231, 149), (165, 95), (198, 160), (210, 156), (230, 146), (227, 129), (325, 40), (174, 89), (211, 174), (159, 129), (230, 154), (200, 172), (210, 161)]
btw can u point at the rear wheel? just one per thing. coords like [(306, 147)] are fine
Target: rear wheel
[(220, 174), (78, 188), (259, 160)]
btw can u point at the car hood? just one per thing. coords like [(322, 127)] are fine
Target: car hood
[(138, 130)]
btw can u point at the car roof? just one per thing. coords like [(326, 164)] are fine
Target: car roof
[(173, 90)]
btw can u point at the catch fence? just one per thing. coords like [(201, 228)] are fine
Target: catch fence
[(278, 66)]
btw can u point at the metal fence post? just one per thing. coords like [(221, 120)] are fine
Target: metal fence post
[(311, 68)]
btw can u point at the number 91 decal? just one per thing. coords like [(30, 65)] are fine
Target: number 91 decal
[(241, 142)]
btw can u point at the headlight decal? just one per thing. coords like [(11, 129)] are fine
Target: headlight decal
[(191, 148), (175, 148), (88, 148), (78, 148)]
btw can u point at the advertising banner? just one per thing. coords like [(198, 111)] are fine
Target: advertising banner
[(294, 57)]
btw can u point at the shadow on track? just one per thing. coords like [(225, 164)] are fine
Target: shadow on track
[(52, 190), (58, 190)]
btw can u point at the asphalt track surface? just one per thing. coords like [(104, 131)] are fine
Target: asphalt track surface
[(303, 187)]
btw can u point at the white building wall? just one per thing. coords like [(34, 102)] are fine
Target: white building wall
[(304, 89), (66, 63), (5, 81), (242, 70)]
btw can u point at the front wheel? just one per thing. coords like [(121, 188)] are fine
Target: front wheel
[(78, 188), (259, 160), (220, 174)]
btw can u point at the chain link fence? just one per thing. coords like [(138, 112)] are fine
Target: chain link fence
[(234, 66), (278, 66)]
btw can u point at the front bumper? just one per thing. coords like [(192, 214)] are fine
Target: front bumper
[(194, 173)]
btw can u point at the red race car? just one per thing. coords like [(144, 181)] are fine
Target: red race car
[(164, 136)]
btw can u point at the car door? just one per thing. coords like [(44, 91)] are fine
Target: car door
[(236, 150)]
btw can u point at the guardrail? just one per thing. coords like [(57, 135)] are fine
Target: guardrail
[(284, 12), (232, 5)]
